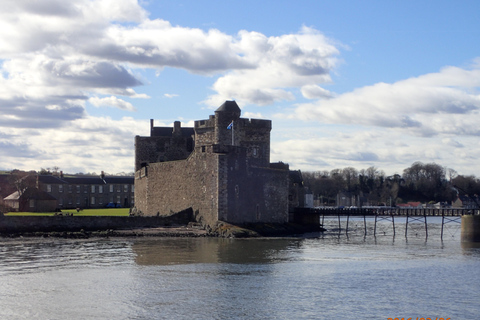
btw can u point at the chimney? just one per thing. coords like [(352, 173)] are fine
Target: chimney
[(102, 175), (61, 174), (177, 130), (151, 127)]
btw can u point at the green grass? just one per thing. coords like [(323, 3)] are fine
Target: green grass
[(112, 212)]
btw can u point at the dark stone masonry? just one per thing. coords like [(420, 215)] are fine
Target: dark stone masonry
[(220, 169)]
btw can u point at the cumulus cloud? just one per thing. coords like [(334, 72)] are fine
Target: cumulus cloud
[(313, 91), (278, 65), (88, 143), (442, 102), (112, 102), (56, 54)]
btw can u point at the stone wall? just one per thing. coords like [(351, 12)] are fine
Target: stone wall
[(218, 183), (176, 185), (15, 224)]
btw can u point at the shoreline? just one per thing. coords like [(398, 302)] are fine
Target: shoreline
[(222, 230)]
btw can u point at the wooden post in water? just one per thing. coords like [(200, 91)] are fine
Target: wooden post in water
[(426, 227), (393, 222), (339, 225), (365, 223), (348, 217), (443, 222), (406, 225)]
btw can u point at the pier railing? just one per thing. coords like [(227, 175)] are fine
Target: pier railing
[(452, 212), (449, 215)]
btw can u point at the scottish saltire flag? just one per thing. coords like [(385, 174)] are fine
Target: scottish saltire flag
[(230, 126)]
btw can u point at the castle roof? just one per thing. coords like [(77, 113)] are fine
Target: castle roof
[(229, 106)]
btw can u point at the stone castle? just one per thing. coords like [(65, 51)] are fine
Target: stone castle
[(220, 168)]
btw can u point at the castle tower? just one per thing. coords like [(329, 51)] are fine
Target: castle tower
[(227, 113)]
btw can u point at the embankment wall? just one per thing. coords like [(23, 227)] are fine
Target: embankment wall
[(16, 224)]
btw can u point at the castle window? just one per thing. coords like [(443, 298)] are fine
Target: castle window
[(203, 148)]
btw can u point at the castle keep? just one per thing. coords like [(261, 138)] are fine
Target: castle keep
[(220, 168)]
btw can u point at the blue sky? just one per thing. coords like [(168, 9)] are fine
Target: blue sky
[(346, 83)]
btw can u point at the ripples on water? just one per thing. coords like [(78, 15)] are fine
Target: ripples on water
[(329, 276)]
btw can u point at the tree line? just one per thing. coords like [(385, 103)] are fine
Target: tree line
[(423, 182)]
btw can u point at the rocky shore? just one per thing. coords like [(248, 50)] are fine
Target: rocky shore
[(193, 230)]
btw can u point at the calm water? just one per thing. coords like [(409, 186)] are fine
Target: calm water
[(329, 276)]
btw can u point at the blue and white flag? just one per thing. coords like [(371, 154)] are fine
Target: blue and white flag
[(230, 126)]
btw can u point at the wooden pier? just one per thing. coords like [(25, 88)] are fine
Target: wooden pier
[(449, 215)]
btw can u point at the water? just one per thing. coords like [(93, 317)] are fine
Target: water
[(329, 276)]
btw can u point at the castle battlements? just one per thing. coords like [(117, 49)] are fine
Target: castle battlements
[(220, 168)]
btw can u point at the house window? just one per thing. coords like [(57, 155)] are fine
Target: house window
[(133, 200), (111, 188), (70, 188), (60, 188), (78, 200), (118, 199), (92, 189), (125, 188), (92, 200), (78, 189), (32, 203), (133, 188), (85, 189), (100, 189), (100, 201), (49, 188), (60, 202)]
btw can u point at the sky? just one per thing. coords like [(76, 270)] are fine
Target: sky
[(345, 83)]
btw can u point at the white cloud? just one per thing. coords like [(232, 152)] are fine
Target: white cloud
[(112, 102), (87, 144), (313, 91), (443, 102), (59, 53), (278, 64)]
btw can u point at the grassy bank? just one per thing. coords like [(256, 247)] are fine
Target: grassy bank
[(112, 212)]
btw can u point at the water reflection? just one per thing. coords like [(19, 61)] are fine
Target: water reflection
[(208, 250)]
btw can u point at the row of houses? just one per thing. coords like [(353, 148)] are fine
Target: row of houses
[(44, 193), (349, 199)]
